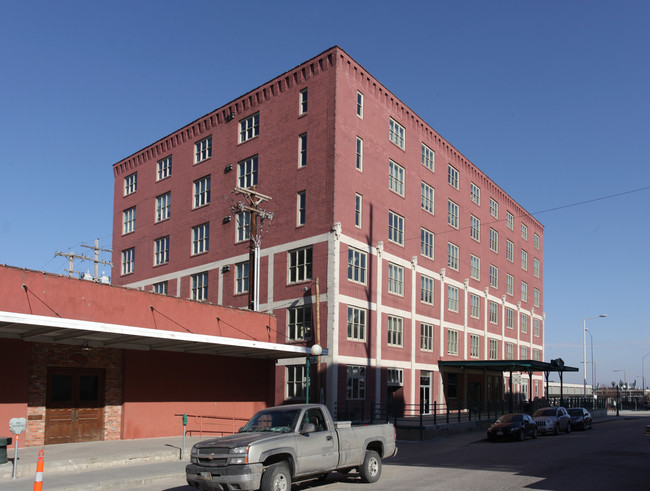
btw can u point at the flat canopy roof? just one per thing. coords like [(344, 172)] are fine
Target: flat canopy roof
[(511, 365)]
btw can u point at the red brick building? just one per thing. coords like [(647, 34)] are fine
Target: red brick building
[(419, 256)]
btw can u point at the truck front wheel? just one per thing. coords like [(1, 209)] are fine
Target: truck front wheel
[(370, 470), (276, 477)]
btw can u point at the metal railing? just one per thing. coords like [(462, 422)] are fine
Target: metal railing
[(212, 425)]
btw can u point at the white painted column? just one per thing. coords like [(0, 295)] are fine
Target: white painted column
[(465, 317), (414, 264), (442, 312), (333, 260), (378, 312)]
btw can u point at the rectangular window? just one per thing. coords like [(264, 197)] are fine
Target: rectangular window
[(452, 213), (523, 354), (452, 298), (299, 323), (494, 312), (524, 323), (301, 208), (247, 170), (536, 241), (475, 267), (452, 342), (536, 358), (474, 346), (426, 337), (536, 325), (494, 208), (394, 377), (475, 193), (395, 228), (427, 197), (494, 349), (426, 243), (396, 177), (397, 133), (510, 318), (128, 261), (356, 324), (358, 210), (395, 331), (130, 184), (163, 206), (243, 228), (356, 383), (357, 265), (300, 265), (426, 290), (535, 297), (494, 240), (395, 279), (161, 251), (302, 150), (475, 306), (494, 276), (304, 96), (160, 287), (359, 161), (475, 228), (202, 191), (509, 351), (200, 238), (524, 232), (452, 256), (524, 291), (203, 150), (524, 260), (128, 222), (510, 284), (360, 105), (536, 267), (428, 158), (296, 382), (452, 385), (241, 277), (452, 176), (249, 127), (199, 286), (510, 250), (510, 220), (164, 168)]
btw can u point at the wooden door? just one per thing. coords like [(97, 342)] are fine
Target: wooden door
[(75, 405)]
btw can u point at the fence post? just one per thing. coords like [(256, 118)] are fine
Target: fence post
[(447, 406), (459, 413), (372, 412), (479, 410), (435, 412), (363, 410), (421, 411)]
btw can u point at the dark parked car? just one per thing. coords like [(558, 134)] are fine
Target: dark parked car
[(512, 426), (580, 418), (552, 420)]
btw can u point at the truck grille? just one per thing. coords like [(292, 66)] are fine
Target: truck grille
[(212, 456)]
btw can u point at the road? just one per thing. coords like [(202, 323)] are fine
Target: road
[(615, 455)]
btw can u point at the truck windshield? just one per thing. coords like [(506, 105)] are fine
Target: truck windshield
[(279, 420)]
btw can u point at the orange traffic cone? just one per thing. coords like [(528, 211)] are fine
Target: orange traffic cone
[(38, 479)]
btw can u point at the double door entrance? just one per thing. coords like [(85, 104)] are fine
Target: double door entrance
[(75, 405)]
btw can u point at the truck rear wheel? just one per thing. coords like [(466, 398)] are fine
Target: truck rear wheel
[(276, 477), (370, 470)]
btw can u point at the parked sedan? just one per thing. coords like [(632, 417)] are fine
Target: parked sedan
[(512, 426), (580, 418), (552, 420)]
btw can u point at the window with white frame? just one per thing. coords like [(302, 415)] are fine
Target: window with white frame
[(494, 276), (128, 222), (300, 265), (395, 279), (395, 228), (427, 197), (357, 265), (474, 346), (357, 323), (200, 238), (494, 240), (426, 243), (510, 220), (426, 337), (523, 322), (199, 286), (395, 177), (523, 355), (426, 289), (163, 206), (394, 377), (475, 267), (536, 241), (509, 351), (510, 284), (202, 191), (452, 213), (475, 228), (301, 208), (524, 260), (494, 208), (452, 256), (296, 382), (243, 226), (510, 318), (161, 287), (494, 349), (299, 323), (360, 104), (359, 161), (474, 306), (452, 298), (128, 260), (396, 133), (536, 326), (358, 210), (524, 291), (510, 250), (164, 168), (356, 383), (452, 342), (428, 158), (475, 193), (304, 97), (249, 127), (130, 184), (452, 176), (302, 150), (161, 251), (524, 232), (242, 273), (536, 267), (247, 170), (494, 312), (535, 297), (536, 358), (395, 331), (203, 150)]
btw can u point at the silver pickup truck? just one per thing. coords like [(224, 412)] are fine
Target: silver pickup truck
[(289, 443)]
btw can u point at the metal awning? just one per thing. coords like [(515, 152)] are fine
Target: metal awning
[(45, 329), (510, 365)]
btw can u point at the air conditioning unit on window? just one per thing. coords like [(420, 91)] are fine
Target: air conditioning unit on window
[(395, 377)]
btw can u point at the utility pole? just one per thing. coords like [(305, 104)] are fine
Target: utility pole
[(72, 256), (252, 200)]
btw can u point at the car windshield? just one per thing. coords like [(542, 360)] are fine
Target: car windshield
[(278, 420), (510, 418), (575, 412), (549, 411)]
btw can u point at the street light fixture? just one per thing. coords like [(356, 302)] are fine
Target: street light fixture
[(584, 352), (315, 351), (591, 344)]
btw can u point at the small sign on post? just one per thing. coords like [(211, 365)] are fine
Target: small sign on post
[(16, 426)]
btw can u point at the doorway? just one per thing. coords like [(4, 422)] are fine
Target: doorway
[(425, 392)]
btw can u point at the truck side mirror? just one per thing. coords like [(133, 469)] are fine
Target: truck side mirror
[(308, 428)]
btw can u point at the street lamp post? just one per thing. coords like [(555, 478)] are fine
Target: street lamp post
[(315, 351), (591, 345), (584, 352)]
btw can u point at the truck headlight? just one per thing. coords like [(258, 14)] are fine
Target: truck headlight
[(242, 455)]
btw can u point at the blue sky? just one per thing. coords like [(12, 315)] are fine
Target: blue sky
[(550, 99)]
